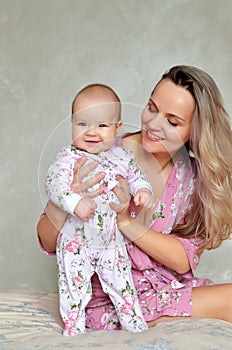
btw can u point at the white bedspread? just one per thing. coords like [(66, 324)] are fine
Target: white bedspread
[(30, 320)]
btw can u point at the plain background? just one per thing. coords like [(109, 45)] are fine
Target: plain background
[(49, 49)]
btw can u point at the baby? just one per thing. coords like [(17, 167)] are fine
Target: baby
[(90, 241)]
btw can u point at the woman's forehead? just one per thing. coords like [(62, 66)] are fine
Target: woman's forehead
[(173, 99)]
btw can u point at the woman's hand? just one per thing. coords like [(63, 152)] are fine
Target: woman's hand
[(81, 170), (122, 193)]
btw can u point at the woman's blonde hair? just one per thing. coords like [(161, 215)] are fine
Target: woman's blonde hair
[(211, 143)]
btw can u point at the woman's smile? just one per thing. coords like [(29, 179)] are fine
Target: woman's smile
[(152, 137)]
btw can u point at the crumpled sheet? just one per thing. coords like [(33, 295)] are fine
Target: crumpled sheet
[(31, 320)]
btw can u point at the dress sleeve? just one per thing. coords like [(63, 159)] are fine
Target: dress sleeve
[(191, 247), (136, 178), (185, 193)]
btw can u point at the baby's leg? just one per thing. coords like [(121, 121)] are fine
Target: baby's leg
[(114, 271), (74, 274)]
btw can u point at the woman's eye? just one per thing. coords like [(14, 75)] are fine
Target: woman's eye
[(151, 110), (172, 123)]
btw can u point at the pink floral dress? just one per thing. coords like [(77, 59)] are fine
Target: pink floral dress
[(161, 291)]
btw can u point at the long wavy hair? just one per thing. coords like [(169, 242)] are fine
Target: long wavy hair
[(211, 144)]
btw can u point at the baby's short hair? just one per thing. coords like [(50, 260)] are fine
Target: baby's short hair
[(96, 87)]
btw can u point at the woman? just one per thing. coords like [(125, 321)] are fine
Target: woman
[(183, 148)]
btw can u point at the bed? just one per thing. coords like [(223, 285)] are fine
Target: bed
[(30, 320)]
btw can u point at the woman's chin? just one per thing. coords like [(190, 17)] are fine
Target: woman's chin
[(149, 145)]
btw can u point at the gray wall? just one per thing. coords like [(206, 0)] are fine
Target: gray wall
[(51, 48)]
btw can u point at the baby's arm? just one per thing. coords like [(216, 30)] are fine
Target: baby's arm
[(58, 180), (144, 197), (58, 186)]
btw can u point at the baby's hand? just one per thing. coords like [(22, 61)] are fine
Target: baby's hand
[(144, 197), (85, 209)]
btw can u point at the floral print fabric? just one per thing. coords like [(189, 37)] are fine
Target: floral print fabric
[(95, 246), (161, 292)]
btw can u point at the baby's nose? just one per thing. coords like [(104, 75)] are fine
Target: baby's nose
[(91, 131)]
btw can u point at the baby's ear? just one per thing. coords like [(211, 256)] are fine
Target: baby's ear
[(118, 125)]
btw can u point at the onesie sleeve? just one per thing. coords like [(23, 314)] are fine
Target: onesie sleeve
[(136, 179), (58, 181), (185, 193)]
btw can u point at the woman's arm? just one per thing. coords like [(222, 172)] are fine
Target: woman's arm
[(49, 226), (165, 249)]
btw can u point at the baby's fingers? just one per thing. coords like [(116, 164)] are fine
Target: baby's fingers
[(137, 200)]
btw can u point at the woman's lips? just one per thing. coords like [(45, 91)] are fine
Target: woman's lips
[(152, 137)]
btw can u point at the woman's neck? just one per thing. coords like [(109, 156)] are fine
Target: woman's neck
[(156, 168), (164, 160)]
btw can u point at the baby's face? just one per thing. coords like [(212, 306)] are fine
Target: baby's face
[(95, 124)]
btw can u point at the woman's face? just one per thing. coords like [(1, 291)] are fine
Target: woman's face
[(167, 119)]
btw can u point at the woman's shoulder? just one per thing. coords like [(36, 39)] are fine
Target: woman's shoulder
[(133, 136), (184, 171), (185, 159), (131, 140)]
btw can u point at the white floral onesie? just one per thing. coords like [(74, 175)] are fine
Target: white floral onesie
[(95, 246)]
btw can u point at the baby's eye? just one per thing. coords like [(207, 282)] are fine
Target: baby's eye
[(102, 125), (81, 124)]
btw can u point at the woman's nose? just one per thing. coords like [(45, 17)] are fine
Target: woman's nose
[(153, 120), (156, 122)]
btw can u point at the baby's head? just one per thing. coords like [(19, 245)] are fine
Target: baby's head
[(96, 118)]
